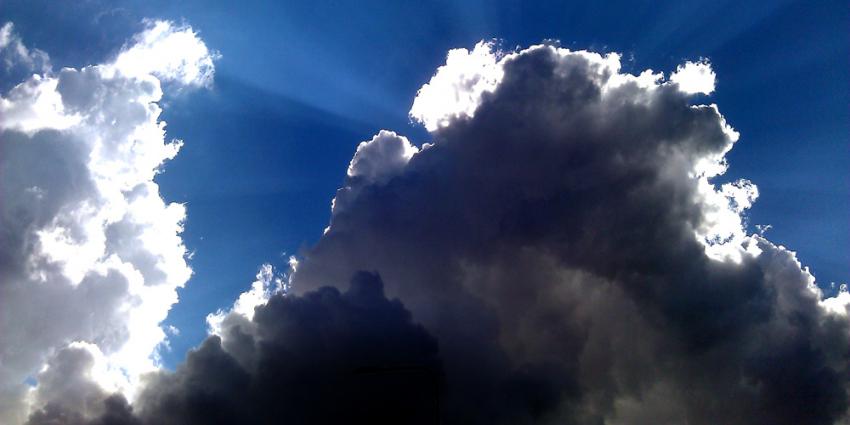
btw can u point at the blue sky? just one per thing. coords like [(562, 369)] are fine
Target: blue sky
[(300, 84)]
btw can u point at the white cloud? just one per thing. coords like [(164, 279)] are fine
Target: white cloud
[(379, 159), (694, 77), (169, 52), (267, 283), (456, 88), (34, 105), (15, 54), (92, 254), (840, 303), (722, 231)]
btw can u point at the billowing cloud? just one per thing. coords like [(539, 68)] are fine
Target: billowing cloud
[(91, 255), (559, 252), (563, 240)]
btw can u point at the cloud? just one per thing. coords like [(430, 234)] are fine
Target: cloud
[(171, 53), (381, 158), (268, 282), (18, 61), (457, 87), (355, 349), (694, 77), (559, 252), (91, 255), (314, 358), (564, 241), (375, 162)]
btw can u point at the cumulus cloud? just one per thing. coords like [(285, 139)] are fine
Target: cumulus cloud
[(91, 255), (559, 252), (564, 241)]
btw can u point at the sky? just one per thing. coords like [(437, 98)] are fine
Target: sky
[(271, 102)]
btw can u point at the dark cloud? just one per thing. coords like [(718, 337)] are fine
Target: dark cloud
[(306, 359), (567, 258), (555, 233)]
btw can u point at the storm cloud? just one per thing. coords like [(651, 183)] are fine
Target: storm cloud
[(567, 229), (559, 252)]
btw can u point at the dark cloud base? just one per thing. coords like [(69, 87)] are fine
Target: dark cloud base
[(313, 359)]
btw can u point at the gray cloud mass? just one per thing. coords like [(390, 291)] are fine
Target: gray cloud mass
[(552, 233)]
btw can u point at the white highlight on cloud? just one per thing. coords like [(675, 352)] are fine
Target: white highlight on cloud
[(840, 303), (467, 76), (34, 105), (723, 231), (92, 255), (375, 161), (457, 87), (379, 159), (694, 77), (268, 282), (169, 52)]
